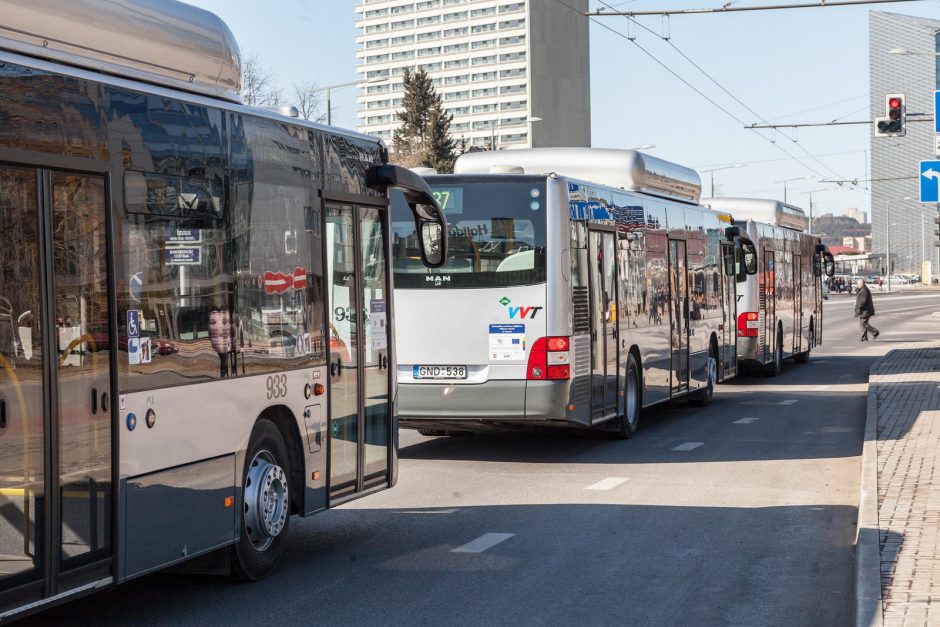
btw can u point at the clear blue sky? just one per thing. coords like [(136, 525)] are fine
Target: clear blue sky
[(777, 62)]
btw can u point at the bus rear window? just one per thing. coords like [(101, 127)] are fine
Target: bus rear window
[(496, 236)]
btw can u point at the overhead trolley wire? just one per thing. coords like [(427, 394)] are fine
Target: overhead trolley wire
[(692, 87)]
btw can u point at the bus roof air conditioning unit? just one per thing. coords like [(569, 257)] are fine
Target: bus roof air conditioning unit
[(626, 169), (760, 210), (165, 42)]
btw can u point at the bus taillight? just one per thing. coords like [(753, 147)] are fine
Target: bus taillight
[(748, 324), (549, 359)]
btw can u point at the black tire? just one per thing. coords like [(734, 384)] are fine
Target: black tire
[(803, 357), (776, 365), (257, 553), (704, 396), (632, 400)]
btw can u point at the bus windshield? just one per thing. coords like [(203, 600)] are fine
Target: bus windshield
[(496, 236)]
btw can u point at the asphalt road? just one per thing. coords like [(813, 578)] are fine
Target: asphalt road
[(739, 513)]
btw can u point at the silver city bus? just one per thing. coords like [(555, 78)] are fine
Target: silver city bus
[(581, 285), (780, 309), (171, 384)]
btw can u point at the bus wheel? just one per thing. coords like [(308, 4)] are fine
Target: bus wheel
[(774, 367), (265, 505), (803, 357), (631, 400), (704, 396)]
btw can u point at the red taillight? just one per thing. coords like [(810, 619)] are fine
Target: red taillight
[(748, 324), (545, 351)]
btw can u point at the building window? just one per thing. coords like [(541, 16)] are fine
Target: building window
[(485, 108), (514, 138), (403, 39), (511, 24), (377, 104), (457, 95), (453, 17), (484, 93), (484, 125), (484, 60), (486, 43), (428, 4), (456, 48), (458, 111), (377, 89), (404, 54), (512, 56), (512, 89), (399, 25), (429, 52), (512, 41), (450, 3), (512, 106), (513, 73), (430, 67), (510, 8), (484, 76), (376, 28), (484, 28), (456, 63), (429, 36), (377, 74), (403, 8), (455, 32), (375, 13), (456, 80), (462, 126), (376, 43), (483, 12)]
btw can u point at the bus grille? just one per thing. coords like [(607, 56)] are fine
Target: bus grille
[(582, 311), (581, 381)]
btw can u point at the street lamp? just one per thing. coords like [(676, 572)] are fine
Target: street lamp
[(499, 124), (644, 147), (888, 239), (713, 170), (785, 181), (811, 192), (329, 94)]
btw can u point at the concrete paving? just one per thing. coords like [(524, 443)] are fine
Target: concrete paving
[(753, 525)]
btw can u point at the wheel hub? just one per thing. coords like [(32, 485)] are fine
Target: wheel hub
[(266, 500)]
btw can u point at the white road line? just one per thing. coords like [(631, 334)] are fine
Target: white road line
[(688, 446), (789, 402), (819, 388), (745, 421), (484, 542), (430, 511), (607, 484)]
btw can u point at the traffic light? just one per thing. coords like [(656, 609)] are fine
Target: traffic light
[(893, 124)]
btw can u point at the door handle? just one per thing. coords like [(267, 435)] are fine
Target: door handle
[(94, 400), (104, 402), (3, 414)]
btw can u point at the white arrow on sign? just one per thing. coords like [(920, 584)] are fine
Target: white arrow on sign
[(932, 174)]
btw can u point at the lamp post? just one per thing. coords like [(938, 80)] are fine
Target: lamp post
[(644, 147), (908, 53), (498, 124), (785, 181), (888, 239), (811, 192), (712, 171), (329, 94)]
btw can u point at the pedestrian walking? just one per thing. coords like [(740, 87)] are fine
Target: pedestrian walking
[(864, 310), (879, 283)]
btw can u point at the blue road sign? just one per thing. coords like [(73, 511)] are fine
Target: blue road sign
[(133, 323), (930, 181), (936, 108)]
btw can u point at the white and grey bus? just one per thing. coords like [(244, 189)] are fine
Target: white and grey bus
[(581, 285), (175, 380), (780, 309)]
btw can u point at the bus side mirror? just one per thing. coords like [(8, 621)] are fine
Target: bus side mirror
[(432, 243), (750, 257), (829, 264)]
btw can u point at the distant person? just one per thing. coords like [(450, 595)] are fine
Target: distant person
[(879, 283), (865, 309)]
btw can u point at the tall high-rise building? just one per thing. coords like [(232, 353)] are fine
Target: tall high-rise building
[(894, 160), (514, 73)]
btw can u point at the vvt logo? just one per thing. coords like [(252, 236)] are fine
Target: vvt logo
[(521, 311)]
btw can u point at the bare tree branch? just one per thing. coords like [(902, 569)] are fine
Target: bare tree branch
[(259, 84), (309, 102)]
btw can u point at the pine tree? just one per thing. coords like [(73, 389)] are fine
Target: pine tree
[(423, 139)]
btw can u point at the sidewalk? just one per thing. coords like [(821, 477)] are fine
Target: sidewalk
[(901, 465)]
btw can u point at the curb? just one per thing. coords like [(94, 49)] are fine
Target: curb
[(869, 610)]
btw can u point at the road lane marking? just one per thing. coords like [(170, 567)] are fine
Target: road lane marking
[(820, 388), (745, 421), (789, 401), (607, 484), (430, 511), (484, 542), (688, 446)]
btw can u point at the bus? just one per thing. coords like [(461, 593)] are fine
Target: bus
[(581, 286), (780, 309), (174, 380)]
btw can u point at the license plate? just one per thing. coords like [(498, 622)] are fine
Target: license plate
[(440, 372)]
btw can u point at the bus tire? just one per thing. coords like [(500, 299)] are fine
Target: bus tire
[(803, 357), (632, 400), (703, 397), (265, 505), (776, 365)]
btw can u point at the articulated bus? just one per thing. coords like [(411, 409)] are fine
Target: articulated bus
[(780, 309), (172, 384), (581, 286)]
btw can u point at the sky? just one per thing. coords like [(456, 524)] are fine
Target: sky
[(806, 65)]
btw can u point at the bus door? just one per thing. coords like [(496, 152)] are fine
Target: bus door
[(604, 378), (798, 303), (360, 403), (56, 397), (679, 295), (769, 305), (728, 353)]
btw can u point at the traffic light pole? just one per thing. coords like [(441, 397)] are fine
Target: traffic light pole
[(888, 244)]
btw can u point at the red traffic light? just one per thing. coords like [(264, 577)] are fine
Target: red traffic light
[(894, 103)]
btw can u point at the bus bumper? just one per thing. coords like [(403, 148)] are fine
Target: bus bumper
[(493, 401)]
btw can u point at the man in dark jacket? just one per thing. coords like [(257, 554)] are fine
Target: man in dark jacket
[(865, 309)]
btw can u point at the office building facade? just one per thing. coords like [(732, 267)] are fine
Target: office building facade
[(512, 72), (894, 160)]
